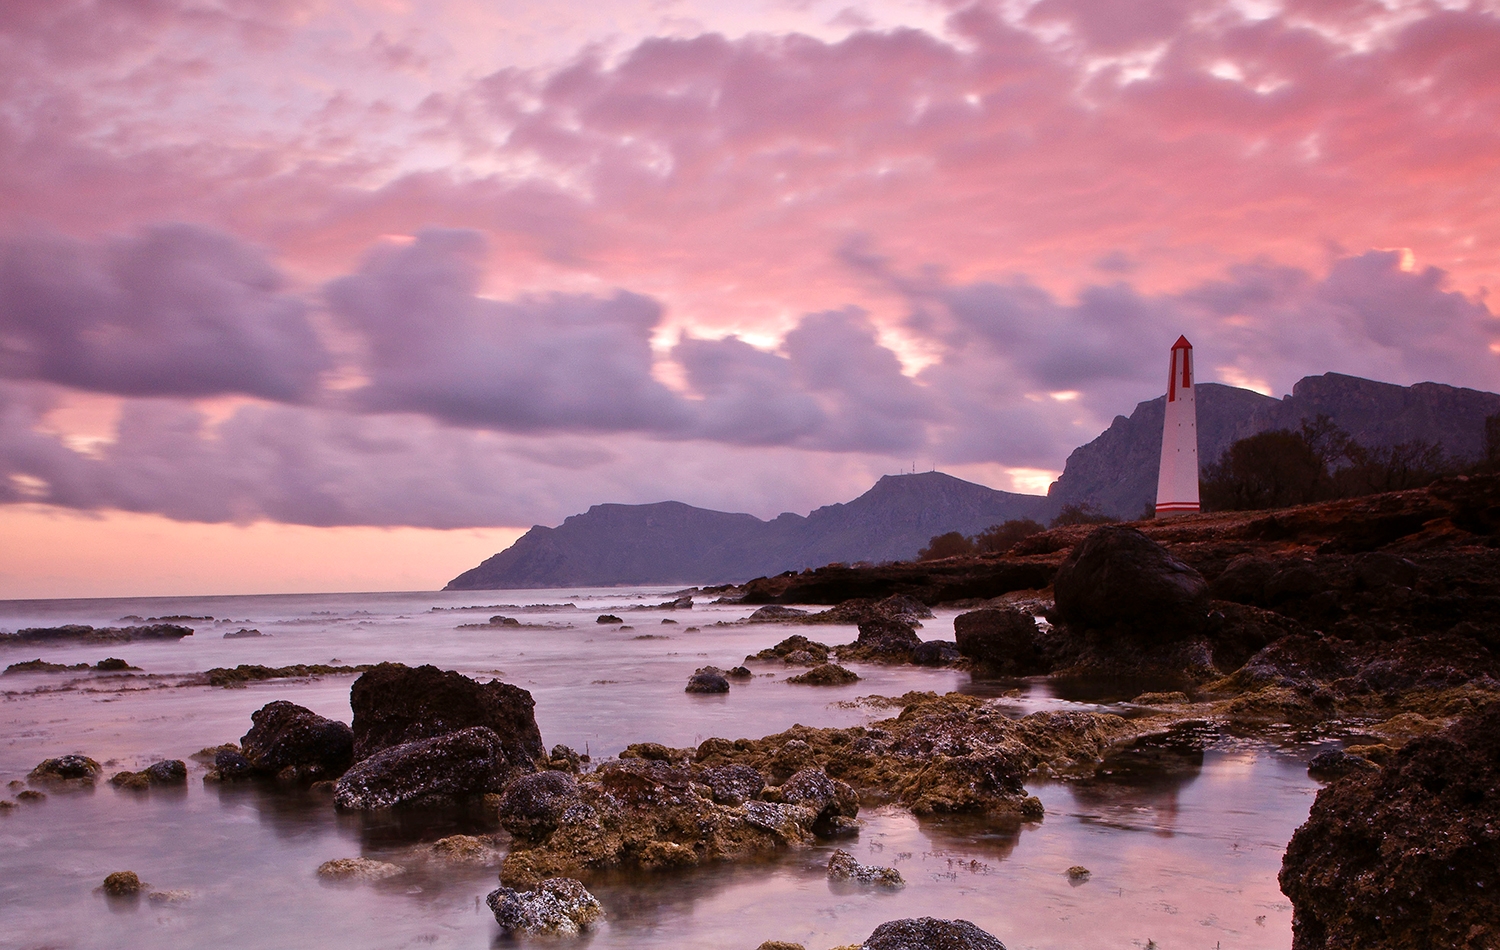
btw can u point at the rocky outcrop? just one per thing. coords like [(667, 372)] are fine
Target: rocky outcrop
[(1408, 856), (1000, 640), (660, 813), (296, 743), (396, 704), (123, 884), (82, 633), (930, 933), (557, 907), (1120, 579), (883, 640), (451, 768)]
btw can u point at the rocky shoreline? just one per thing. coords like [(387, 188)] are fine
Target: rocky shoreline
[(1377, 620)]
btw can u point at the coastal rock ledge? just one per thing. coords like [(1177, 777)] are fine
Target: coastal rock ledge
[(1408, 856)]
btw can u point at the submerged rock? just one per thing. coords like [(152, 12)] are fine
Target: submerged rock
[(557, 907), (935, 653), (883, 640), (165, 773), (230, 766), (285, 736), (930, 933), (451, 768), (796, 649), (82, 633), (843, 867), (395, 704), (465, 849), (1407, 856), (775, 612), (358, 869)]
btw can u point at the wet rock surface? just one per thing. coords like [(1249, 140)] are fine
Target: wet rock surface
[(707, 680), (930, 933), (794, 650), (557, 907), (451, 768), (291, 740), (166, 773), (532, 805), (1407, 856), (395, 704), (358, 869), (123, 884)]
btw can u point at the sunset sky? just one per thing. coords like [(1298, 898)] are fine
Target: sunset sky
[(303, 295)]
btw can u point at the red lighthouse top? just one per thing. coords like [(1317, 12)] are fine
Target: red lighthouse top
[(1181, 373)]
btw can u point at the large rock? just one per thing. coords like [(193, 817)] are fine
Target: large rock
[(450, 768), (930, 933), (1407, 856), (883, 640), (287, 736), (709, 679), (1000, 639), (395, 704), (1118, 577), (79, 769)]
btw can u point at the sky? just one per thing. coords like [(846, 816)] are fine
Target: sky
[(302, 295)]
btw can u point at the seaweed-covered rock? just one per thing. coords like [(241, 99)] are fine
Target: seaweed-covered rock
[(1001, 639), (843, 867), (1336, 763), (167, 772), (83, 633), (395, 704), (358, 869), (829, 674), (76, 769), (532, 805), (883, 640), (1119, 577), (773, 612), (230, 766), (557, 907), (287, 736), (465, 849), (1408, 856), (123, 884), (930, 933), (450, 768)]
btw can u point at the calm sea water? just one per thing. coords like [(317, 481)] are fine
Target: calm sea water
[(1184, 855)]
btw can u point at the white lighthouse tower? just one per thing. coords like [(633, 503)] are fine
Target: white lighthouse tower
[(1177, 484)]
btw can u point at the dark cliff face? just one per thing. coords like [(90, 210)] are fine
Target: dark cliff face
[(671, 542), (1117, 471)]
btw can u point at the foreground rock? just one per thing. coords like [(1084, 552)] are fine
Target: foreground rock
[(930, 933), (883, 640), (395, 704), (828, 674), (452, 768), (709, 679), (123, 884), (795, 650), (557, 907), (1407, 856), (295, 743)]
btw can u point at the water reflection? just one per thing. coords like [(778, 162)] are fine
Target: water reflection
[(1142, 782)]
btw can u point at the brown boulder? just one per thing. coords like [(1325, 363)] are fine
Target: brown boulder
[(284, 735), (1001, 639)]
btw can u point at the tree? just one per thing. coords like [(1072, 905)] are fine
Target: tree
[(1273, 469), (951, 544), (1081, 513), (999, 538)]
